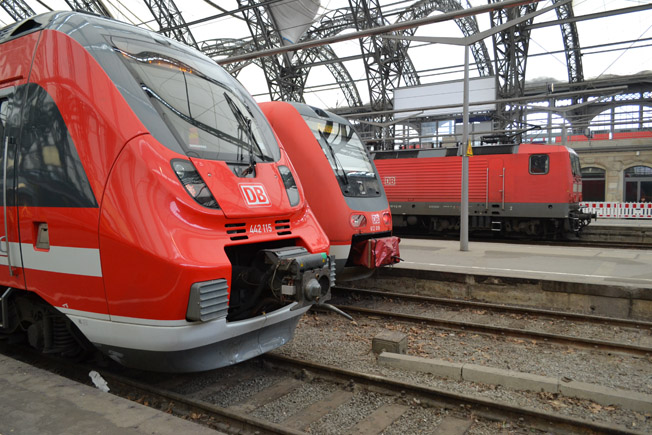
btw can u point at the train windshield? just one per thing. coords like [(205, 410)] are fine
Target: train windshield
[(208, 111), (576, 168), (347, 156)]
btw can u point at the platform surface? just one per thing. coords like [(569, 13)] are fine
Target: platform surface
[(36, 402), (606, 266)]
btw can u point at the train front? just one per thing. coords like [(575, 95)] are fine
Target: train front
[(341, 185), (209, 252), (578, 218)]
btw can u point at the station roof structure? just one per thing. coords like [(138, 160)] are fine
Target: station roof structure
[(572, 44)]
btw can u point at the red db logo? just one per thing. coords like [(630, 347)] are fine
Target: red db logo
[(254, 195)]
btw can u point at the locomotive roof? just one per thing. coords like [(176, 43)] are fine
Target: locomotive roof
[(485, 150), (444, 152)]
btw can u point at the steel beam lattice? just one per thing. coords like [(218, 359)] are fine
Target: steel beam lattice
[(92, 6), (17, 9), (510, 49), (571, 42), (169, 19)]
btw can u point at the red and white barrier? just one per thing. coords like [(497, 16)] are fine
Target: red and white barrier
[(619, 210)]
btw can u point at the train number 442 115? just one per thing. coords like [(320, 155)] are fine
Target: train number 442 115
[(260, 228)]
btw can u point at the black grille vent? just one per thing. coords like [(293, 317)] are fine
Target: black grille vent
[(237, 231), (282, 227), (208, 300)]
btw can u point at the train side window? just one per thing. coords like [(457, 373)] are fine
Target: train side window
[(539, 164), (4, 114), (4, 109)]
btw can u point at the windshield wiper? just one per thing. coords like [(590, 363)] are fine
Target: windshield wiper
[(338, 165), (245, 125), (190, 120)]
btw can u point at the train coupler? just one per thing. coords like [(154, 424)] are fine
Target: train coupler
[(300, 276)]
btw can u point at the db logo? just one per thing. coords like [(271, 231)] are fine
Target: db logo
[(375, 219), (255, 195)]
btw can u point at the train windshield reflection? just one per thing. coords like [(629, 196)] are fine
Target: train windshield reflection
[(347, 156), (209, 119)]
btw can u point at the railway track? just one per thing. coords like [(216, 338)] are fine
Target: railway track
[(274, 394), (352, 300)]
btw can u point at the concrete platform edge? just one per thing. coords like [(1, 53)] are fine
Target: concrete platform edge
[(627, 291), (605, 396), (34, 401)]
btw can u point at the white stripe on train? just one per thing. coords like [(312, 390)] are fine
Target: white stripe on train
[(59, 259)]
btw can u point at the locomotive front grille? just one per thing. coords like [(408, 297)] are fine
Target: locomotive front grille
[(237, 231), (208, 300), (283, 227)]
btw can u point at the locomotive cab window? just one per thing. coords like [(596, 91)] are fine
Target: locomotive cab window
[(576, 167), (539, 164)]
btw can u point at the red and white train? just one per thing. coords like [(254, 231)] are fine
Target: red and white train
[(526, 190), (341, 185), (147, 207)]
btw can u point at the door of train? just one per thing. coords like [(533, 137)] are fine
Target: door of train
[(11, 265), (496, 184)]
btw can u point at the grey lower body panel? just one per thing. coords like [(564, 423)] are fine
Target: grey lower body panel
[(536, 210), (215, 355)]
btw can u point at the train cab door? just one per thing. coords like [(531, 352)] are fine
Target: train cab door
[(11, 265), (496, 185)]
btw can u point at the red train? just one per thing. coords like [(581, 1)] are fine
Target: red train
[(341, 186), (526, 190), (147, 206)]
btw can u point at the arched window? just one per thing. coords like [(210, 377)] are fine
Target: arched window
[(638, 184), (593, 184), (621, 119)]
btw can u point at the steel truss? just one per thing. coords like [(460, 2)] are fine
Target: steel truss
[(387, 63), (170, 21), (17, 9), (92, 6), (510, 48)]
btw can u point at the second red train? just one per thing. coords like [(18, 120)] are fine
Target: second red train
[(526, 190)]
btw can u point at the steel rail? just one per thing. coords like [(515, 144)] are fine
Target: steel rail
[(460, 303), (578, 342), (483, 407), (236, 420)]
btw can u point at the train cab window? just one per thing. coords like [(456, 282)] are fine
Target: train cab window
[(576, 167), (210, 114), (347, 155), (539, 164)]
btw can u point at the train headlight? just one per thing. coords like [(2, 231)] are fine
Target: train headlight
[(358, 220), (193, 183), (387, 218), (290, 185)]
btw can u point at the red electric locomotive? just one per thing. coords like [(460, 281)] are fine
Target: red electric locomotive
[(147, 206), (341, 186), (528, 190)]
